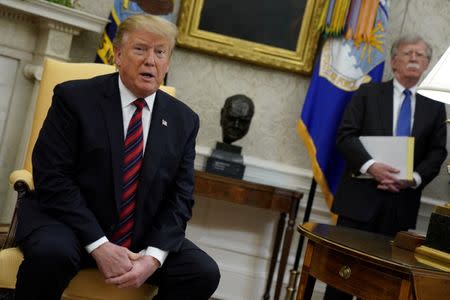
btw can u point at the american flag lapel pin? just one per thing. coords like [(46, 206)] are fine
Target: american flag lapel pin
[(164, 122)]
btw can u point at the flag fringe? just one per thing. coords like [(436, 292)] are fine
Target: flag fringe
[(317, 171), (353, 19)]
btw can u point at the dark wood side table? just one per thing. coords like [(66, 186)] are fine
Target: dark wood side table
[(367, 265), (285, 201)]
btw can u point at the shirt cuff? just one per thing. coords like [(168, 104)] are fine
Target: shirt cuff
[(92, 246), (366, 166), (159, 254), (418, 180)]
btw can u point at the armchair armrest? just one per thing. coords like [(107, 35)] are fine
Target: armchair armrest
[(22, 181), (21, 177)]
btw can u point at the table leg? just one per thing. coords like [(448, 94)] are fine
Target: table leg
[(286, 246), (405, 290), (276, 249), (306, 284)]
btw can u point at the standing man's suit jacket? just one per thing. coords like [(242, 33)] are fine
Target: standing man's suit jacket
[(370, 113), (77, 167)]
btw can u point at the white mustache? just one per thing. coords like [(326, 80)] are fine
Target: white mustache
[(413, 66)]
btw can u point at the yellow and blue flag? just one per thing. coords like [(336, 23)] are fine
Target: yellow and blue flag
[(122, 9), (353, 53)]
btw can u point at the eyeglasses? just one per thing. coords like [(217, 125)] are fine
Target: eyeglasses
[(418, 54)]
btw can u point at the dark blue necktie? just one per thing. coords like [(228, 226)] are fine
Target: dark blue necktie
[(404, 116)]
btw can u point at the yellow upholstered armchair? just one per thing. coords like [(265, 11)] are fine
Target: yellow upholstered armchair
[(89, 283)]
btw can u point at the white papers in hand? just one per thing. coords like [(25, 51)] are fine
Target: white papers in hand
[(396, 151)]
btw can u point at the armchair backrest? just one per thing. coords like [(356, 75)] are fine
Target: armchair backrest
[(55, 72)]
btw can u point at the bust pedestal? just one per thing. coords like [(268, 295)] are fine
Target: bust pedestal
[(226, 160)]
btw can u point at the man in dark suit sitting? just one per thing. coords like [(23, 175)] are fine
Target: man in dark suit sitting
[(386, 204), (114, 177)]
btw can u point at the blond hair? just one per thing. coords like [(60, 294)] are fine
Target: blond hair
[(149, 23)]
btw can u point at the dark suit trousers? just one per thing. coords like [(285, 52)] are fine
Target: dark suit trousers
[(53, 256)]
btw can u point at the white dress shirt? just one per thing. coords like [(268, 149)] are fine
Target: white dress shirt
[(127, 98)]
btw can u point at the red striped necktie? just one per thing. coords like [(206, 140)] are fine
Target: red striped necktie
[(132, 163)]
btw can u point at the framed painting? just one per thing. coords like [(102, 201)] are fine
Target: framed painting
[(282, 34)]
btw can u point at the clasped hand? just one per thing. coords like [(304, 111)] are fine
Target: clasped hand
[(385, 176), (122, 267)]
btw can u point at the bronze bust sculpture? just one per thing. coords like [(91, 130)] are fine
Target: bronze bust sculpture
[(235, 117)]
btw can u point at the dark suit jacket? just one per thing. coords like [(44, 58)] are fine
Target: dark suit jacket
[(77, 166), (370, 113)]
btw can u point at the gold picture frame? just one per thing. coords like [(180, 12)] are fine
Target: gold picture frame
[(208, 26)]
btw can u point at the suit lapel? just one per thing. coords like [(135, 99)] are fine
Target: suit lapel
[(385, 102), (112, 110), (154, 148), (419, 115)]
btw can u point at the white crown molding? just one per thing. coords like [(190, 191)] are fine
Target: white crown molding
[(59, 13), (430, 201)]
